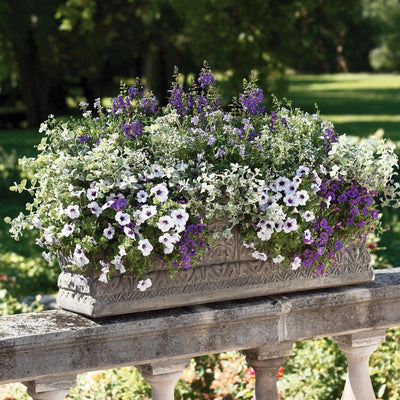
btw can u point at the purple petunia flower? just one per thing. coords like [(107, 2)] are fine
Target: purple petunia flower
[(354, 211), (338, 245), (308, 262)]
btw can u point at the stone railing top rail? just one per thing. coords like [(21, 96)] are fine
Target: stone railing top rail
[(36, 345)]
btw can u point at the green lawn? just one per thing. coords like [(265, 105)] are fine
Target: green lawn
[(358, 104)]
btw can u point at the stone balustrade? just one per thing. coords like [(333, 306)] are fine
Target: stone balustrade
[(46, 350)]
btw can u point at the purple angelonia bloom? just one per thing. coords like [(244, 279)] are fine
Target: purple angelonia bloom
[(205, 80)]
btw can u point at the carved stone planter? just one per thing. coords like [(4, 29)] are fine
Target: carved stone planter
[(227, 272)]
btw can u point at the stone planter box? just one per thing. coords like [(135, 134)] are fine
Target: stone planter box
[(227, 272)]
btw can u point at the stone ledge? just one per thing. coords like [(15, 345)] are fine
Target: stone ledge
[(36, 345)]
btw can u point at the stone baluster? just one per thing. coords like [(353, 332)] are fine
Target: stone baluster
[(51, 387), (266, 361), (163, 377), (358, 348)]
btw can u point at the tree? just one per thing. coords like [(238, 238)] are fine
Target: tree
[(386, 13), (24, 29)]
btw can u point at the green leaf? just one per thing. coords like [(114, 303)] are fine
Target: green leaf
[(381, 391), (22, 185)]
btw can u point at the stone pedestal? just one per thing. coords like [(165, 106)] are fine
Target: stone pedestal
[(51, 388), (358, 347), (266, 361), (163, 377)]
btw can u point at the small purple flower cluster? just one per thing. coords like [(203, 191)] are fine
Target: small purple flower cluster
[(192, 103), (329, 137), (119, 203), (84, 138), (344, 207), (135, 91), (178, 102), (272, 121), (319, 241), (252, 100), (132, 130), (120, 104), (190, 243), (149, 105), (354, 202), (205, 80)]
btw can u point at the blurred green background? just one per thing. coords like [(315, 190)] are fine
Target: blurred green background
[(342, 55)]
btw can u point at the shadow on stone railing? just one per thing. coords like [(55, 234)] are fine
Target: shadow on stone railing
[(46, 350)]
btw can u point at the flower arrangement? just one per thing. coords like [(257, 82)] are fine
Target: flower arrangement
[(135, 182)]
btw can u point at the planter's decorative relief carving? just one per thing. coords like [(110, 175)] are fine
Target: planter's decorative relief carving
[(227, 272)]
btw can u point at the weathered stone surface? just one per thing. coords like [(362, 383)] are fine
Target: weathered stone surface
[(227, 272), (56, 342)]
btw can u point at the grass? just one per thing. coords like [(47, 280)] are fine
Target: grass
[(358, 104)]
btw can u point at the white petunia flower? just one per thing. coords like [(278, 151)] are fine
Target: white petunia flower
[(266, 225), (142, 196), (67, 230), (180, 217), (291, 186), (72, 211), (302, 196), (291, 200), (148, 212), (278, 259), (278, 225), (144, 284), (308, 216), (122, 218), (281, 183), (37, 222), (296, 263), (109, 232), (166, 239), (290, 225), (122, 251), (117, 262), (160, 192), (302, 170), (107, 204), (92, 194), (259, 256), (264, 234), (315, 187), (157, 170), (104, 271), (46, 256), (248, 245), (49, 236), (145, 247), (129, 232), (80, 259), (307, 236), (165, 223), (95, 208), (168, 249)]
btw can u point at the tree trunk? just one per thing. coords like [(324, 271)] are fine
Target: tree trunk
[(33, 82)]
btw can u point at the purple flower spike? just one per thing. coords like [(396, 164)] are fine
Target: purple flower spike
[(205, 80)]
